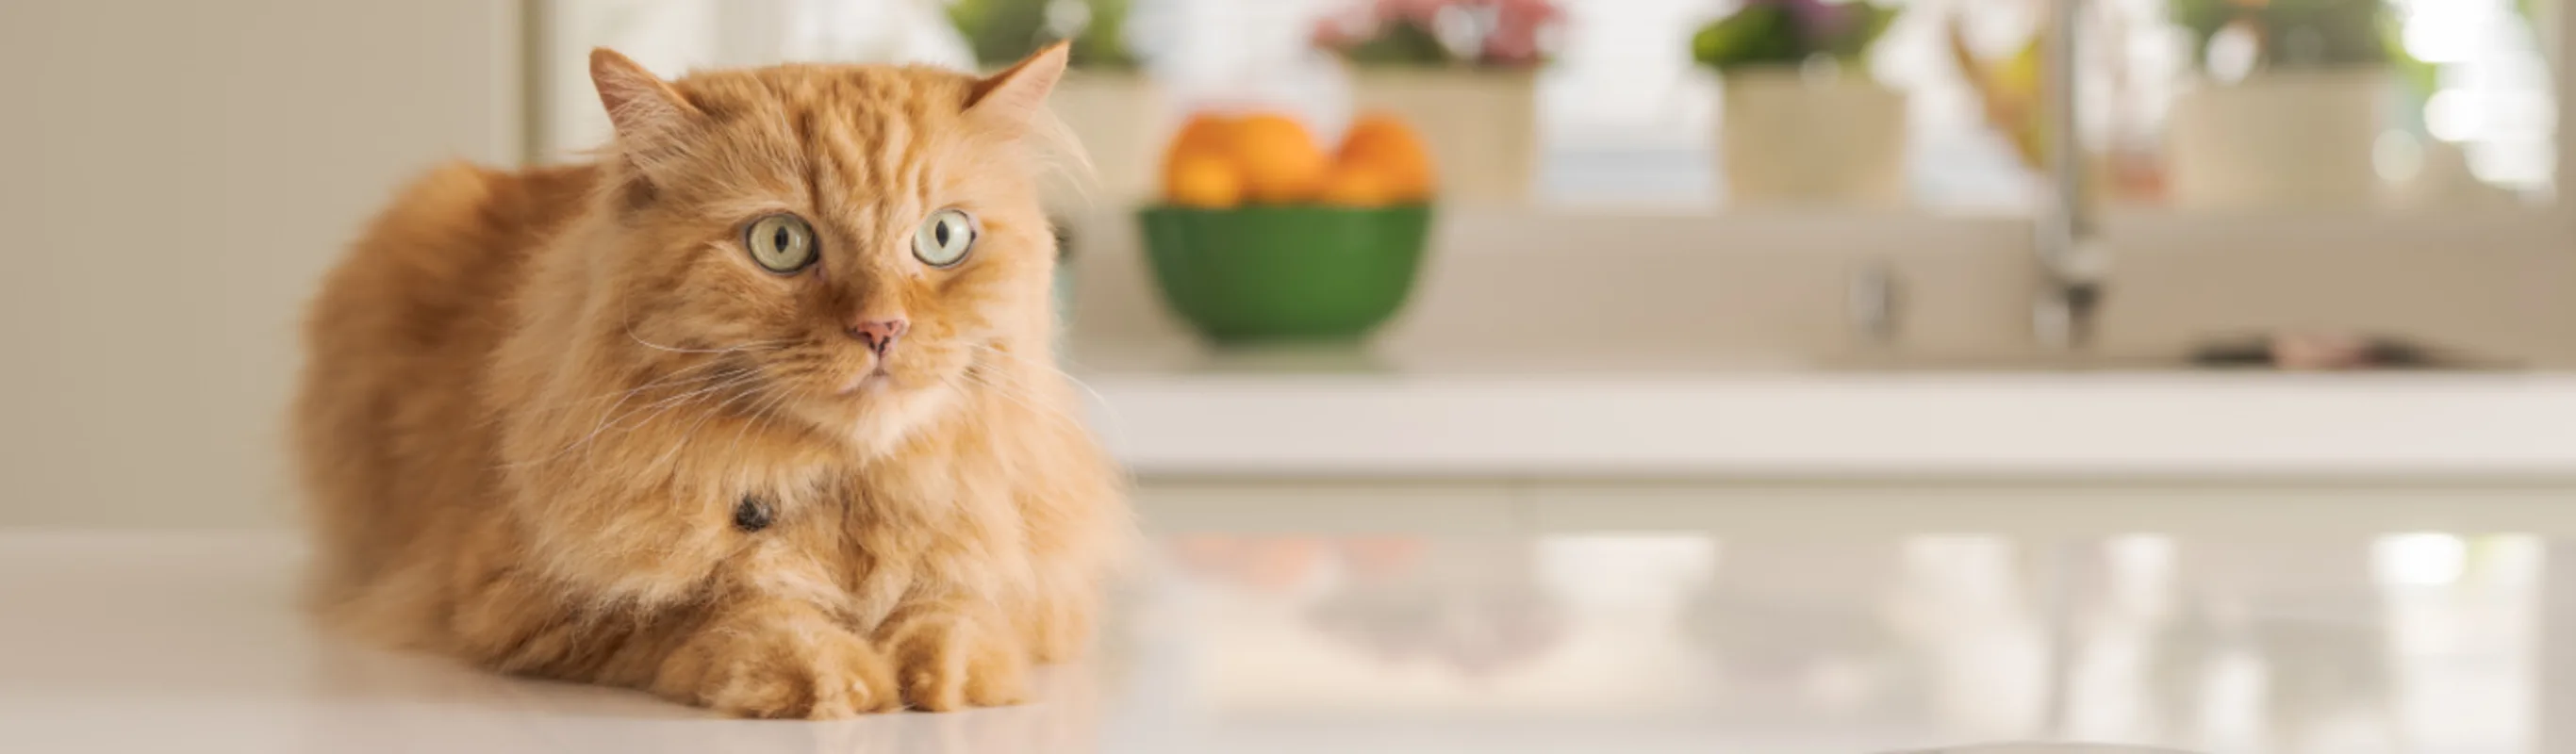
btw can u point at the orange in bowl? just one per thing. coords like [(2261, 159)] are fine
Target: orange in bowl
[(1205, 135), (1204, 180), (1205, 132), (1219, 162), (1358, 184), (1279, 160), (1389, 148)]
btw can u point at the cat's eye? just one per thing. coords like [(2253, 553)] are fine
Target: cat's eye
[(783, 244), (945, 238)]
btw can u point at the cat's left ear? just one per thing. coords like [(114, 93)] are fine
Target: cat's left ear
[(1015, 96), (649, 115)]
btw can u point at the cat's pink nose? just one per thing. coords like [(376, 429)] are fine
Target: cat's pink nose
[(879, 335)]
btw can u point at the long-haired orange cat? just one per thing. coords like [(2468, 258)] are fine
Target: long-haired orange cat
[(758, 412)]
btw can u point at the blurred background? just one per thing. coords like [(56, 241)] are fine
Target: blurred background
[(1704, 190), (2178, 371)]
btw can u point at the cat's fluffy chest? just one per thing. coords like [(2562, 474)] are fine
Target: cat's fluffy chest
[(862, 535), (838, 513)]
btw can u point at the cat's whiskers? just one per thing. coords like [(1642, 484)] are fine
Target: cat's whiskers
[(760, 412), (691, 433), (680, 376), (686, 401), (726, 379), (1016, 394), (758, 344), (673, 380), (667, 405), (770, 345), (1077, 382), (1046, 366)]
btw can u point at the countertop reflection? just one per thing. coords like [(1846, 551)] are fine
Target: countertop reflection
[(1647, 642)]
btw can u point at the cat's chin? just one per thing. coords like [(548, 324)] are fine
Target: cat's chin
[(876, 414), (866, 385)]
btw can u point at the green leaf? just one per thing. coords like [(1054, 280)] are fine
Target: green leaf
[(1002, 31), (1768, 35), (2294, 33), (1400, 44)]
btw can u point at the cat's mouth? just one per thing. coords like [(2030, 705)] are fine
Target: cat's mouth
[(876, 379)]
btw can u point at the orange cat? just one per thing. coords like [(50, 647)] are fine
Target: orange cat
[(758, 413)]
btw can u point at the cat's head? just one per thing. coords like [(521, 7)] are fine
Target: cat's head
[(850, 246)]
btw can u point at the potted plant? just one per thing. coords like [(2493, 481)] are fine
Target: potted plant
[(1104, 98), (1463, 72), (2290, 106), (1801, 119)]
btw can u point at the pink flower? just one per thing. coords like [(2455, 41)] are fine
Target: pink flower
[(1500, 32), (1519, 29)]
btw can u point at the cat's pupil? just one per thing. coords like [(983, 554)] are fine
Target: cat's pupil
[(940, 232), (779, 240)]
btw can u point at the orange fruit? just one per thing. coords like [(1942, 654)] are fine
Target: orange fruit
[(1203, 134), (1206, 135), (1207, 181), (1357, 184), (1280, 161), (1395, 151)]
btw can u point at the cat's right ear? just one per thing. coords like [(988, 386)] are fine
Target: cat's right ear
[(649, 115)]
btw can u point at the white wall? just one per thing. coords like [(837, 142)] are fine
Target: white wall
[(174, 175)]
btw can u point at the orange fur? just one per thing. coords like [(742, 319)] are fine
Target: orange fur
[(535, 400)]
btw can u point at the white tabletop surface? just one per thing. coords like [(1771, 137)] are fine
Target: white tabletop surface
[(1331, 412), (1647, 641)]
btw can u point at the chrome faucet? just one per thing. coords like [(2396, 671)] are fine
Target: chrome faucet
[(2072, 258)]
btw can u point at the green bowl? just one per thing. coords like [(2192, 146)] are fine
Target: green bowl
[(1286, 273)]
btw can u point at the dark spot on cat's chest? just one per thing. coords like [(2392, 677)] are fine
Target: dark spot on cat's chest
[(752, 514)]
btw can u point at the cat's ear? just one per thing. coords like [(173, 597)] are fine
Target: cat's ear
[(1015, 96), (647, 112)]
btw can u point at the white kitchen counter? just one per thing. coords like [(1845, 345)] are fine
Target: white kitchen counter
[(1359, 420), (1646, 641)]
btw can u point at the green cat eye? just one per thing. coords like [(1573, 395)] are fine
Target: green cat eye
[(945, 238), (783, 244)]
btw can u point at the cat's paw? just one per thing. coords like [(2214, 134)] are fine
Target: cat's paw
[(814, 671), (950, 663)]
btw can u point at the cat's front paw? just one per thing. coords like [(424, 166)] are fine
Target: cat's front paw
[(802, 669), (950, 662)]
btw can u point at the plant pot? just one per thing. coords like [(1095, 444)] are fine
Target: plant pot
[(1785, 140), (1285, 273), (1482, 125), (2280, 138), (1119, 117)]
